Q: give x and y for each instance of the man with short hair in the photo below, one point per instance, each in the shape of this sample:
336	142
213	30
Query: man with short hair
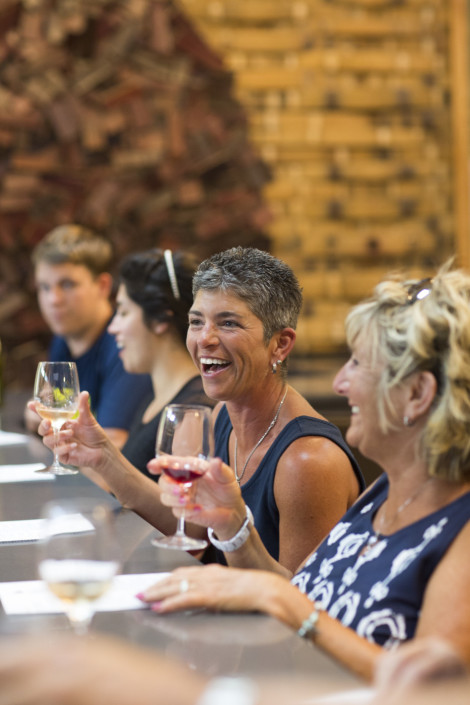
73	281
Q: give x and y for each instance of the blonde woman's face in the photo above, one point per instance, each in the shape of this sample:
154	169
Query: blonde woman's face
358	381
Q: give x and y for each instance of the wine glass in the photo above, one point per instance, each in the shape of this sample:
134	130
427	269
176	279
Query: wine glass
56	391
78	555
185	430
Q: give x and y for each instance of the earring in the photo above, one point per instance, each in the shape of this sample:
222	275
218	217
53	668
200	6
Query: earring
275	364
407	421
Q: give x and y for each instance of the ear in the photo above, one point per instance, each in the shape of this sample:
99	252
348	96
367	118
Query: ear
105	284
421	394
159	327
283	342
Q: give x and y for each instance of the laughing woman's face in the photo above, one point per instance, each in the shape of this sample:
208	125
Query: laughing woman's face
226	341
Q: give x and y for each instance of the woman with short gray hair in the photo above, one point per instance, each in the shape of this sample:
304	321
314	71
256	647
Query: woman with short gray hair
295	472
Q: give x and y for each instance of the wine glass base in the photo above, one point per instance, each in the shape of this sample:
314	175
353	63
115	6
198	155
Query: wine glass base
60	470
180	543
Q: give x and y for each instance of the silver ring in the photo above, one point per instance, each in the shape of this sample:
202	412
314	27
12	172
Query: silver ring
184	586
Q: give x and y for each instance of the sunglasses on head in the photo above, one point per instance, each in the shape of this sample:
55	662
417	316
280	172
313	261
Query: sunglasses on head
419	291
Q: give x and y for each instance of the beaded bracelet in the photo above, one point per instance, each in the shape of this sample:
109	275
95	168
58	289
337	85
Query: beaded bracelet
309	625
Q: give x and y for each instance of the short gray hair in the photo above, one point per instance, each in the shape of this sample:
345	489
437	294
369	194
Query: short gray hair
266	284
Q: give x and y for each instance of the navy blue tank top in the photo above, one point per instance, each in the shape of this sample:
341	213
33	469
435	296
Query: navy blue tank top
378	592
258	492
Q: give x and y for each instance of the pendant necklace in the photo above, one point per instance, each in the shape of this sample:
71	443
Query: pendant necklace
271	425
379	535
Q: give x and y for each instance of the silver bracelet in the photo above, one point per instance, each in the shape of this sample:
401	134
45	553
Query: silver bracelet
240	537
229	691
308	627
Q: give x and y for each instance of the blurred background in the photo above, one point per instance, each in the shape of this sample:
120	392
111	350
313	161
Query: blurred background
333	133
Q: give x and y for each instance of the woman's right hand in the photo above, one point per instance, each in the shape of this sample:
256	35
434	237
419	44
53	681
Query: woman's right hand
82	441
215	499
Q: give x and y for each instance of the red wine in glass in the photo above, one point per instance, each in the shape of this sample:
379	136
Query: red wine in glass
185	432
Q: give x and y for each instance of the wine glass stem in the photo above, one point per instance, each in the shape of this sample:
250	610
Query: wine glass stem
80	617
180	527
56	463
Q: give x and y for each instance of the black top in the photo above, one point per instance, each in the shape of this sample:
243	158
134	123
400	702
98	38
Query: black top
258	491
140	445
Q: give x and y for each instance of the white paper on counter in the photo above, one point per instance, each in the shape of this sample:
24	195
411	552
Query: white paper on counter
24	473
34	597
355	696
7	438
31	529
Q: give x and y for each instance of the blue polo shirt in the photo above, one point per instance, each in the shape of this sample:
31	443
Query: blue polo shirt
114	393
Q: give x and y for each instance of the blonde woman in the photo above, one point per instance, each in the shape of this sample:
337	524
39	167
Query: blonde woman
396	566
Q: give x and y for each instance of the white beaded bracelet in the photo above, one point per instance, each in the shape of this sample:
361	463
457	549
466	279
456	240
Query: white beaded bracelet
229	691
309	625
237	540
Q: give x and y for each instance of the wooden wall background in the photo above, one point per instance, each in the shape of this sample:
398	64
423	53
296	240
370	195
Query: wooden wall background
360	107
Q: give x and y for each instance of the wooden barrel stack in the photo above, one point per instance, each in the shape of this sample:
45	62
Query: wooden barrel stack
116	115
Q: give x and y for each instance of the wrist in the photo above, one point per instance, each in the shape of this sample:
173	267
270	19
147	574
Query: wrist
309	627
236	540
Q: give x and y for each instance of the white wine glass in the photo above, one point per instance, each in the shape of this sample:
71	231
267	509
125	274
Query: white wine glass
186	431
56	391
78	555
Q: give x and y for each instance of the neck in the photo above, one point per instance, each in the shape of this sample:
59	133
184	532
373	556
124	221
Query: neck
251	416
173	368
80	344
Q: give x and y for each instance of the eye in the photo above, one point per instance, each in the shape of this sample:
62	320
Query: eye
230	324
68	284
194	322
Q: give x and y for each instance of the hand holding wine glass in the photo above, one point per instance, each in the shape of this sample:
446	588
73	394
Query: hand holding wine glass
185	442
56	391
78	555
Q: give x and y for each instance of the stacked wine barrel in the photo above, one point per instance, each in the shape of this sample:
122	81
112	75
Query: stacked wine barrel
118	116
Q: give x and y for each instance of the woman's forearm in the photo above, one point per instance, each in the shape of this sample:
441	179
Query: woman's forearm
131	488
253	554
341	643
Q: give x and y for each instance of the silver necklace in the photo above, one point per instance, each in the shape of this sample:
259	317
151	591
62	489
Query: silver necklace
379	535
271	425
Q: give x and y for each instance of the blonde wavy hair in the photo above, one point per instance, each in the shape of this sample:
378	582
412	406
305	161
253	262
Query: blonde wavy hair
432	333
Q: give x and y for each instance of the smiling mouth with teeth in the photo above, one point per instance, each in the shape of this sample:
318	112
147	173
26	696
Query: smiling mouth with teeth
212	364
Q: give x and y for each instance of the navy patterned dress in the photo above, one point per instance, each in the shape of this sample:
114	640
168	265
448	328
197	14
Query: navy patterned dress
377	587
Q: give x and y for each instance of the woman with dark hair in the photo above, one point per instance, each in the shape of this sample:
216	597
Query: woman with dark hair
150	324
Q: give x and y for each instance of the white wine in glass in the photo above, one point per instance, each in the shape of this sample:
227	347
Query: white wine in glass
78	556
186	431
56	391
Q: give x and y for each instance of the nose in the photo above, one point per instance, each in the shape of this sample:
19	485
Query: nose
208	335
54	294
341	381
112	326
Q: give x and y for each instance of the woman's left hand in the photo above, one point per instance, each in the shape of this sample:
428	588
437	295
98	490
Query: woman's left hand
216	588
